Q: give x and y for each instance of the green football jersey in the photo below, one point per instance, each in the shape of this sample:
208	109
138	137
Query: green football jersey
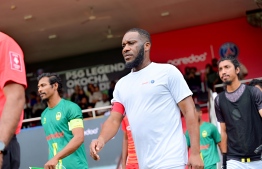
209	137
55	122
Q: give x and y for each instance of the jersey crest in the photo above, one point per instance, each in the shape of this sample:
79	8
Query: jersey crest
204	133
58	116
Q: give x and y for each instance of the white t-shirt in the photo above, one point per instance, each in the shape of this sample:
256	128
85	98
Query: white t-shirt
150	98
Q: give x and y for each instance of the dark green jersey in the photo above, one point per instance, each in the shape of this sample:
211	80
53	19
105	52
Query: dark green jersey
58	134
209	137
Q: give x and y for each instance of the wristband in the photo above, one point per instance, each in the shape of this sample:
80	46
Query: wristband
224	163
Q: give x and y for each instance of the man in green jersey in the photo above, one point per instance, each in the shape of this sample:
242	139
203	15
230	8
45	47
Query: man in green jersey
63	125
209	139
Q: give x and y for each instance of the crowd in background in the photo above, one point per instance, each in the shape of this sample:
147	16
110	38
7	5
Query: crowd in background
93	97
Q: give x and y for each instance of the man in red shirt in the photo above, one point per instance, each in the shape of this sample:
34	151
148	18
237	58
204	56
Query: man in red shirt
12	100
129	159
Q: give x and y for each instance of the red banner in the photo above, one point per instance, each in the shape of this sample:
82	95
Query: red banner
196	46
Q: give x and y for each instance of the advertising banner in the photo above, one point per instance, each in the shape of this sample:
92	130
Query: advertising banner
197	46
34	149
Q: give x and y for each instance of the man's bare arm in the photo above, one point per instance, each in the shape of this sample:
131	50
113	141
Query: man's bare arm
223	144
73	144
187	107
109	130
14	105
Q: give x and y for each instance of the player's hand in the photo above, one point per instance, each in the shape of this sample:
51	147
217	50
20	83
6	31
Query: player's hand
95	147
1	160
195	162
51	164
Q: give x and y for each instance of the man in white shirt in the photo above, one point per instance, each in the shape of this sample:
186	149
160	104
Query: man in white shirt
151	96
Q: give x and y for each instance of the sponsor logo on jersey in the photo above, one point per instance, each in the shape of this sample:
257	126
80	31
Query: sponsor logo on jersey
44	120
151	81
15	61
58	116
204	133
55	135
228	49
203	147
128	128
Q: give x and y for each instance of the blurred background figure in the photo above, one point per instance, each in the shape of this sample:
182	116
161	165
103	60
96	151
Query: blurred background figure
257	83
102	103
209	139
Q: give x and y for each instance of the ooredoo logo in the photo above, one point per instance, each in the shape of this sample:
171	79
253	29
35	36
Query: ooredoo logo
91	131
188	60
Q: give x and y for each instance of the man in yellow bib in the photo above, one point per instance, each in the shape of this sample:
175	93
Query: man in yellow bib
62	121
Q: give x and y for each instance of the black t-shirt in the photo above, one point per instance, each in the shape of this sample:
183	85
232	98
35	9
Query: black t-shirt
242	119
233	96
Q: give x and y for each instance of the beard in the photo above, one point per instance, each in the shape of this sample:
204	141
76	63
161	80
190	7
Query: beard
44	100
227	83
138	60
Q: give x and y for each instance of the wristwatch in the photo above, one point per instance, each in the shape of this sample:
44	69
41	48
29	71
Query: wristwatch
2	147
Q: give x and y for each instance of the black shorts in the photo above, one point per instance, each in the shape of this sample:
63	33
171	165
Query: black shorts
11	159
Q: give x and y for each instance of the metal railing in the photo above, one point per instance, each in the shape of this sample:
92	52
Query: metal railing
93	110
242	81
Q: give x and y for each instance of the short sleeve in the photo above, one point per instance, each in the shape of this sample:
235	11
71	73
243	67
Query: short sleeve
220	117
187	139
177	85
116	95
215	134
75	112
12	62
116	102
257	95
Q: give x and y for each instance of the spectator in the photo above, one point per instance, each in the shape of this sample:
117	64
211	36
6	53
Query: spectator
211	77
90	93
33	100
38	108
97	95
84	104
111	90
81	95
194	80
102	103
257	83
74	97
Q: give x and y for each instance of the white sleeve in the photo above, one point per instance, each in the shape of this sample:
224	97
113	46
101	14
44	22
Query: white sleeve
177	85
116	93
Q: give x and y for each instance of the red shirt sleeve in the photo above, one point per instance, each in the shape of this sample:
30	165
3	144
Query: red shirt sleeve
12	62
